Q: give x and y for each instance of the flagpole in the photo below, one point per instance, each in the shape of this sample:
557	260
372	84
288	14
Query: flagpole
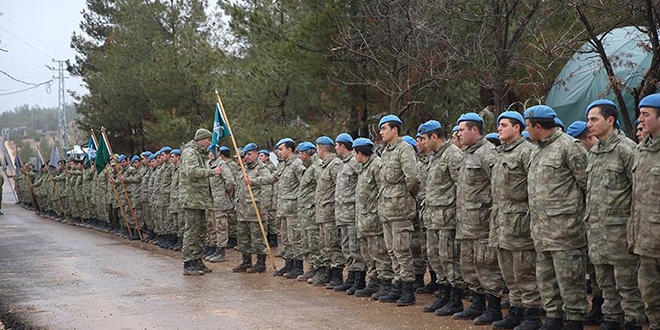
55	190
128	198
249	187
6	152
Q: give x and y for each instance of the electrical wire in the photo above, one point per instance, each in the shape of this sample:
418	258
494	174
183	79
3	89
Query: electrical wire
28	32
18	80
29	88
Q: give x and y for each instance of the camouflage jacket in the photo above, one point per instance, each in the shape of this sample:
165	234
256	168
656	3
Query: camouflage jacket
154	185
399	182
175	205
194	184
144	184
165	185
324	199
473	191
644	231
244	207
423	161
287	178
509	226
222	186
609	198
273	169
440	203
366	199
347	177
556	183
133	180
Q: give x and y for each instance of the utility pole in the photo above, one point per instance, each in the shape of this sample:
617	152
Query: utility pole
61	127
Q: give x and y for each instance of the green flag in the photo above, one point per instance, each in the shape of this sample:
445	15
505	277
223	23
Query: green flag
220	129
102	156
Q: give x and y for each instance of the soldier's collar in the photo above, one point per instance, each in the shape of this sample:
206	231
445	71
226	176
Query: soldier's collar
512	145
550	138
476	145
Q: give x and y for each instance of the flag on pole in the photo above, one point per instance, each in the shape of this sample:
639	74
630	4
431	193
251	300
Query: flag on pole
102	156
38	163
6	160
220	129
91	152
54	159
18	165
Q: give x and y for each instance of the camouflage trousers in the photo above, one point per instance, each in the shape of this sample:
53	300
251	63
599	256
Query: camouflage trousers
443	253
283	231
519	272
179	224
149	216
311	243
193	234
377	260
649	285
398	239
139	214
270	222
418	249
217	232
250	238
350	248
165	220
293	248
560	276
623	299
479	266
591	271
232	223
330	239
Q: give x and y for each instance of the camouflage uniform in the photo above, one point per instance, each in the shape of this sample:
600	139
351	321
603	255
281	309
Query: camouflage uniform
131	181
164	190
439	214
195	197
238	176
347	177
369	226
509	229
307	212
222	188
250	238
154	209
325	212
145	196
556	183
479	266
399	178
418	247
272	209
175	204
644	229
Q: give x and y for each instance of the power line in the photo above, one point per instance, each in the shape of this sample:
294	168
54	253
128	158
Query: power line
29	88
24	42
28	32
18	80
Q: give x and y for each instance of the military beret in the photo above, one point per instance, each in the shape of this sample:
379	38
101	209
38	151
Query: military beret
224	148
146	153
249	147
418	136
492	136
304	146
513	115
362	142
559	123
598	103
470	116
121	158
525	134
650	101
540	112
408	139
166	149
454	129
265	152
202	134
211	147
176	152
429	126
135	159
158	153
576	128
324	140
345	138
152	157
285	140
389	119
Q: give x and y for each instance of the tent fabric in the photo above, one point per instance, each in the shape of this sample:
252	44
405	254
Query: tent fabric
584	79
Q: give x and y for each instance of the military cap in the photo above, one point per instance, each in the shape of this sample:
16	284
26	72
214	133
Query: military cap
249	147
202	134
429	126
345	138
418	136
540	112
146	153
470	116
121	158
135	158
152	157
282	141
362	142
598	103
158	153
650	101
576	128
304	146
223	148
492	136
176	152
324	140
389	119
166	149
454	129
408	139
513	115
559	123
211	147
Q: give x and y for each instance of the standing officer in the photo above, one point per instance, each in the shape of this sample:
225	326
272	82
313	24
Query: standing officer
264	157
222	189
307	212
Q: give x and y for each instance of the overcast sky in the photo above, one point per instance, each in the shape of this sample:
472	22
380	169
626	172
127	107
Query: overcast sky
32	34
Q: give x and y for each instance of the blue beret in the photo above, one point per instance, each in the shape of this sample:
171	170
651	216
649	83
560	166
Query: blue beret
559	123
597	103
470	116
158	153
492	136
651	101
285	140
265	152
304	146
135	158
344	137
211	147
362	142
152	157
176	152
121	158
513	115
146	154
525	134
410	141
454	129
166	149
324	140
540	112
576	128
429	126
223	148
636	122
418	136
388	119
249	147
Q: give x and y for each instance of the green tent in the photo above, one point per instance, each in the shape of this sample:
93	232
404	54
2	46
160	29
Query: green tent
584	79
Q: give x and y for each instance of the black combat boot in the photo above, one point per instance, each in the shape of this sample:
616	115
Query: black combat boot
553	324
260	266
296	270
189	269
358	284
179	243
307	275
371	288
322	276
476	308
288	265
610	325
210	251
445	293
395	293
384	290
431	287
573	325
219	256
243	266
231	242
272	240
595	316
336	278
454	305
531	320
200	264
632	326
512	319
346	284
407	294
419	281
135	235
493	311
